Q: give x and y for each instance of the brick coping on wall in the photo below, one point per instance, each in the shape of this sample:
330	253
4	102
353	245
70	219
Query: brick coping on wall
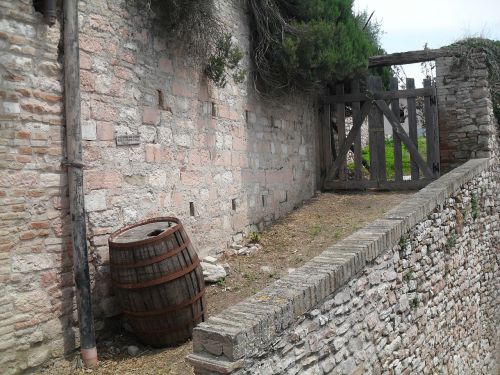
221	344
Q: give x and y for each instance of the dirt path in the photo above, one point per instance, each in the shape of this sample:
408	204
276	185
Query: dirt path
289	243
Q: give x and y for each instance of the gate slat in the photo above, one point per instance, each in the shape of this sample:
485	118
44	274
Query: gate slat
377	138
340	121
350	138
398	155
432	137
404	137
326	138
412	124
356	112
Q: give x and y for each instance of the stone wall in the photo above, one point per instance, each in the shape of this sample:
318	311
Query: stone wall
415	292
467	124
35	253
241	162
222	160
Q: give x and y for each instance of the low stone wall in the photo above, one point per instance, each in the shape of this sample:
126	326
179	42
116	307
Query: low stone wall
412	293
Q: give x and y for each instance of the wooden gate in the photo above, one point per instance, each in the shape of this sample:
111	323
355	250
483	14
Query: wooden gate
372	102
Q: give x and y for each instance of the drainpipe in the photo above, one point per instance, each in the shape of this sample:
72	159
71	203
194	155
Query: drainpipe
75	182
49	12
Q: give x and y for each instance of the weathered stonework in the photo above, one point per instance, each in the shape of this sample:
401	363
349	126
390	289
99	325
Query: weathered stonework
413	293
222	160
242	162
467	125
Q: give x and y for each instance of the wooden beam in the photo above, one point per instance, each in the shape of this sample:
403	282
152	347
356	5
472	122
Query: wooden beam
398	154
410	57
431	129
356	113
340	119
412	127
356	126
404	137
385	95
378	185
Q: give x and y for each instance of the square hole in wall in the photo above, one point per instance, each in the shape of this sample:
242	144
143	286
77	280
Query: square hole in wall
263	201
233	204
191	208
161	99
214	109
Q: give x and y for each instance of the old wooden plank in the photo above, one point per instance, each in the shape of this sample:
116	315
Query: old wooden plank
356	113
410	57
340	121
380	185
377	136
385	95
327	139
404	137
432	137
398	154
412	127
358	122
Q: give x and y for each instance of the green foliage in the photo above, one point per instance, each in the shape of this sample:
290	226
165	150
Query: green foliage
403	241
474	208
195	28
254	237
414	303
408	276
303	43
451	241
389	156
225	59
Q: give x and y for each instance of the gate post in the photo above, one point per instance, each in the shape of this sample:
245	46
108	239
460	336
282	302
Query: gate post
467	125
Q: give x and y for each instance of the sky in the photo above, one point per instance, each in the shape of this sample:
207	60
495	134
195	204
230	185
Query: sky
408	25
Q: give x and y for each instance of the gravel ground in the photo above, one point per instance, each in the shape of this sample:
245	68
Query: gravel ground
289	243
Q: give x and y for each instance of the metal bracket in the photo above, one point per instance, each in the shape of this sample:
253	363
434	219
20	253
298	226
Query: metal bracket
74	163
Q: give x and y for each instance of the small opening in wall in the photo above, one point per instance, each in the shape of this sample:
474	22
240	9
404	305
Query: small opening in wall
161	100
191	208
246	115
263	201
214	109
233	204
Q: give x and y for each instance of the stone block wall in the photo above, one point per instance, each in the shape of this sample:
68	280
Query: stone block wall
415	292
36	275
467	125
222	160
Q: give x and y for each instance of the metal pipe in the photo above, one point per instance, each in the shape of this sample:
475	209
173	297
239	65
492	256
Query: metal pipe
49	12
75	182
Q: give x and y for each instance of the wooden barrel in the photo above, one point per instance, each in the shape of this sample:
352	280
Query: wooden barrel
158	280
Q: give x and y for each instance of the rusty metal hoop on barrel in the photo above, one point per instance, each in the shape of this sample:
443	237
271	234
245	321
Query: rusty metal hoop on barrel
158	280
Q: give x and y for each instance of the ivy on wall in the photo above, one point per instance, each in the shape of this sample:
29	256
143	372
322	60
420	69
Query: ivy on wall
196	27
296	44
469	49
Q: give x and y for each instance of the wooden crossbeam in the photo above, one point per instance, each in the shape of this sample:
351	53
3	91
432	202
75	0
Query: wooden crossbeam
384	95
410	57
398	129
346	145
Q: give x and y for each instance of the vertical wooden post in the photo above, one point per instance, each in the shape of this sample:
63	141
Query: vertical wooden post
377	138
75	182
398	155
432	136
340	120
412	124
326	141
356	112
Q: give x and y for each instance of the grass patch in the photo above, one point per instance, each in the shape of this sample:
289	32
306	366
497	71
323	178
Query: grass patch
389	156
